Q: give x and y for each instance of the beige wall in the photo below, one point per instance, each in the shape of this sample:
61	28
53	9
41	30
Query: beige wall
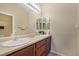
63	20
77	29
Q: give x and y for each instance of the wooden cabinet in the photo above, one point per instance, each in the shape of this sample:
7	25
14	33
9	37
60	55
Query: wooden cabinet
40	48
40	43
28	51
40	51
43	47
48	44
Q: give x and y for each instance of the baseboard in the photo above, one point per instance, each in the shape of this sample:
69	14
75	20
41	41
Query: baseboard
60	54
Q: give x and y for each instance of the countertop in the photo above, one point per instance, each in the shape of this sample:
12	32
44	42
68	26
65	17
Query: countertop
7	50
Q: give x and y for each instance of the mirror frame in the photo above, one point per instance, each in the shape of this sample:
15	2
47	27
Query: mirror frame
13	23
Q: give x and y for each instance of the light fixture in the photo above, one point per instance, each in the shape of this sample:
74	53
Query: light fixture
33	7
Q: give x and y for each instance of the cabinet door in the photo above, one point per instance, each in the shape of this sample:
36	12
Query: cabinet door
40	51
43	47
40	43
28	51
48	47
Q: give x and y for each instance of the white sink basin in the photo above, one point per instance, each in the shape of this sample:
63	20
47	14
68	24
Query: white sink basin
16	42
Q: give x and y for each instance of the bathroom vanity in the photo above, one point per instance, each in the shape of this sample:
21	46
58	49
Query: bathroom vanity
40	48
39	45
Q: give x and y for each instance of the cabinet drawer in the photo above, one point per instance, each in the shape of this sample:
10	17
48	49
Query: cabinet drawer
40	43
45	53
28	51
41	50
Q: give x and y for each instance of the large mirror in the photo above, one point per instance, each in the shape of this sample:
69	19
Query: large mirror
5	25
17	19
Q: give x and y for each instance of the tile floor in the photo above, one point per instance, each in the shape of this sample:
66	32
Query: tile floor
53	54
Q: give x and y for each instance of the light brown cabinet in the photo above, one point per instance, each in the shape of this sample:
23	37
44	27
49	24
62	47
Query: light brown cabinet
28	51
43	47
40	48
48	44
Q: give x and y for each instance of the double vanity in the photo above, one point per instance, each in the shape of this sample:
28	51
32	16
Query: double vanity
39	45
